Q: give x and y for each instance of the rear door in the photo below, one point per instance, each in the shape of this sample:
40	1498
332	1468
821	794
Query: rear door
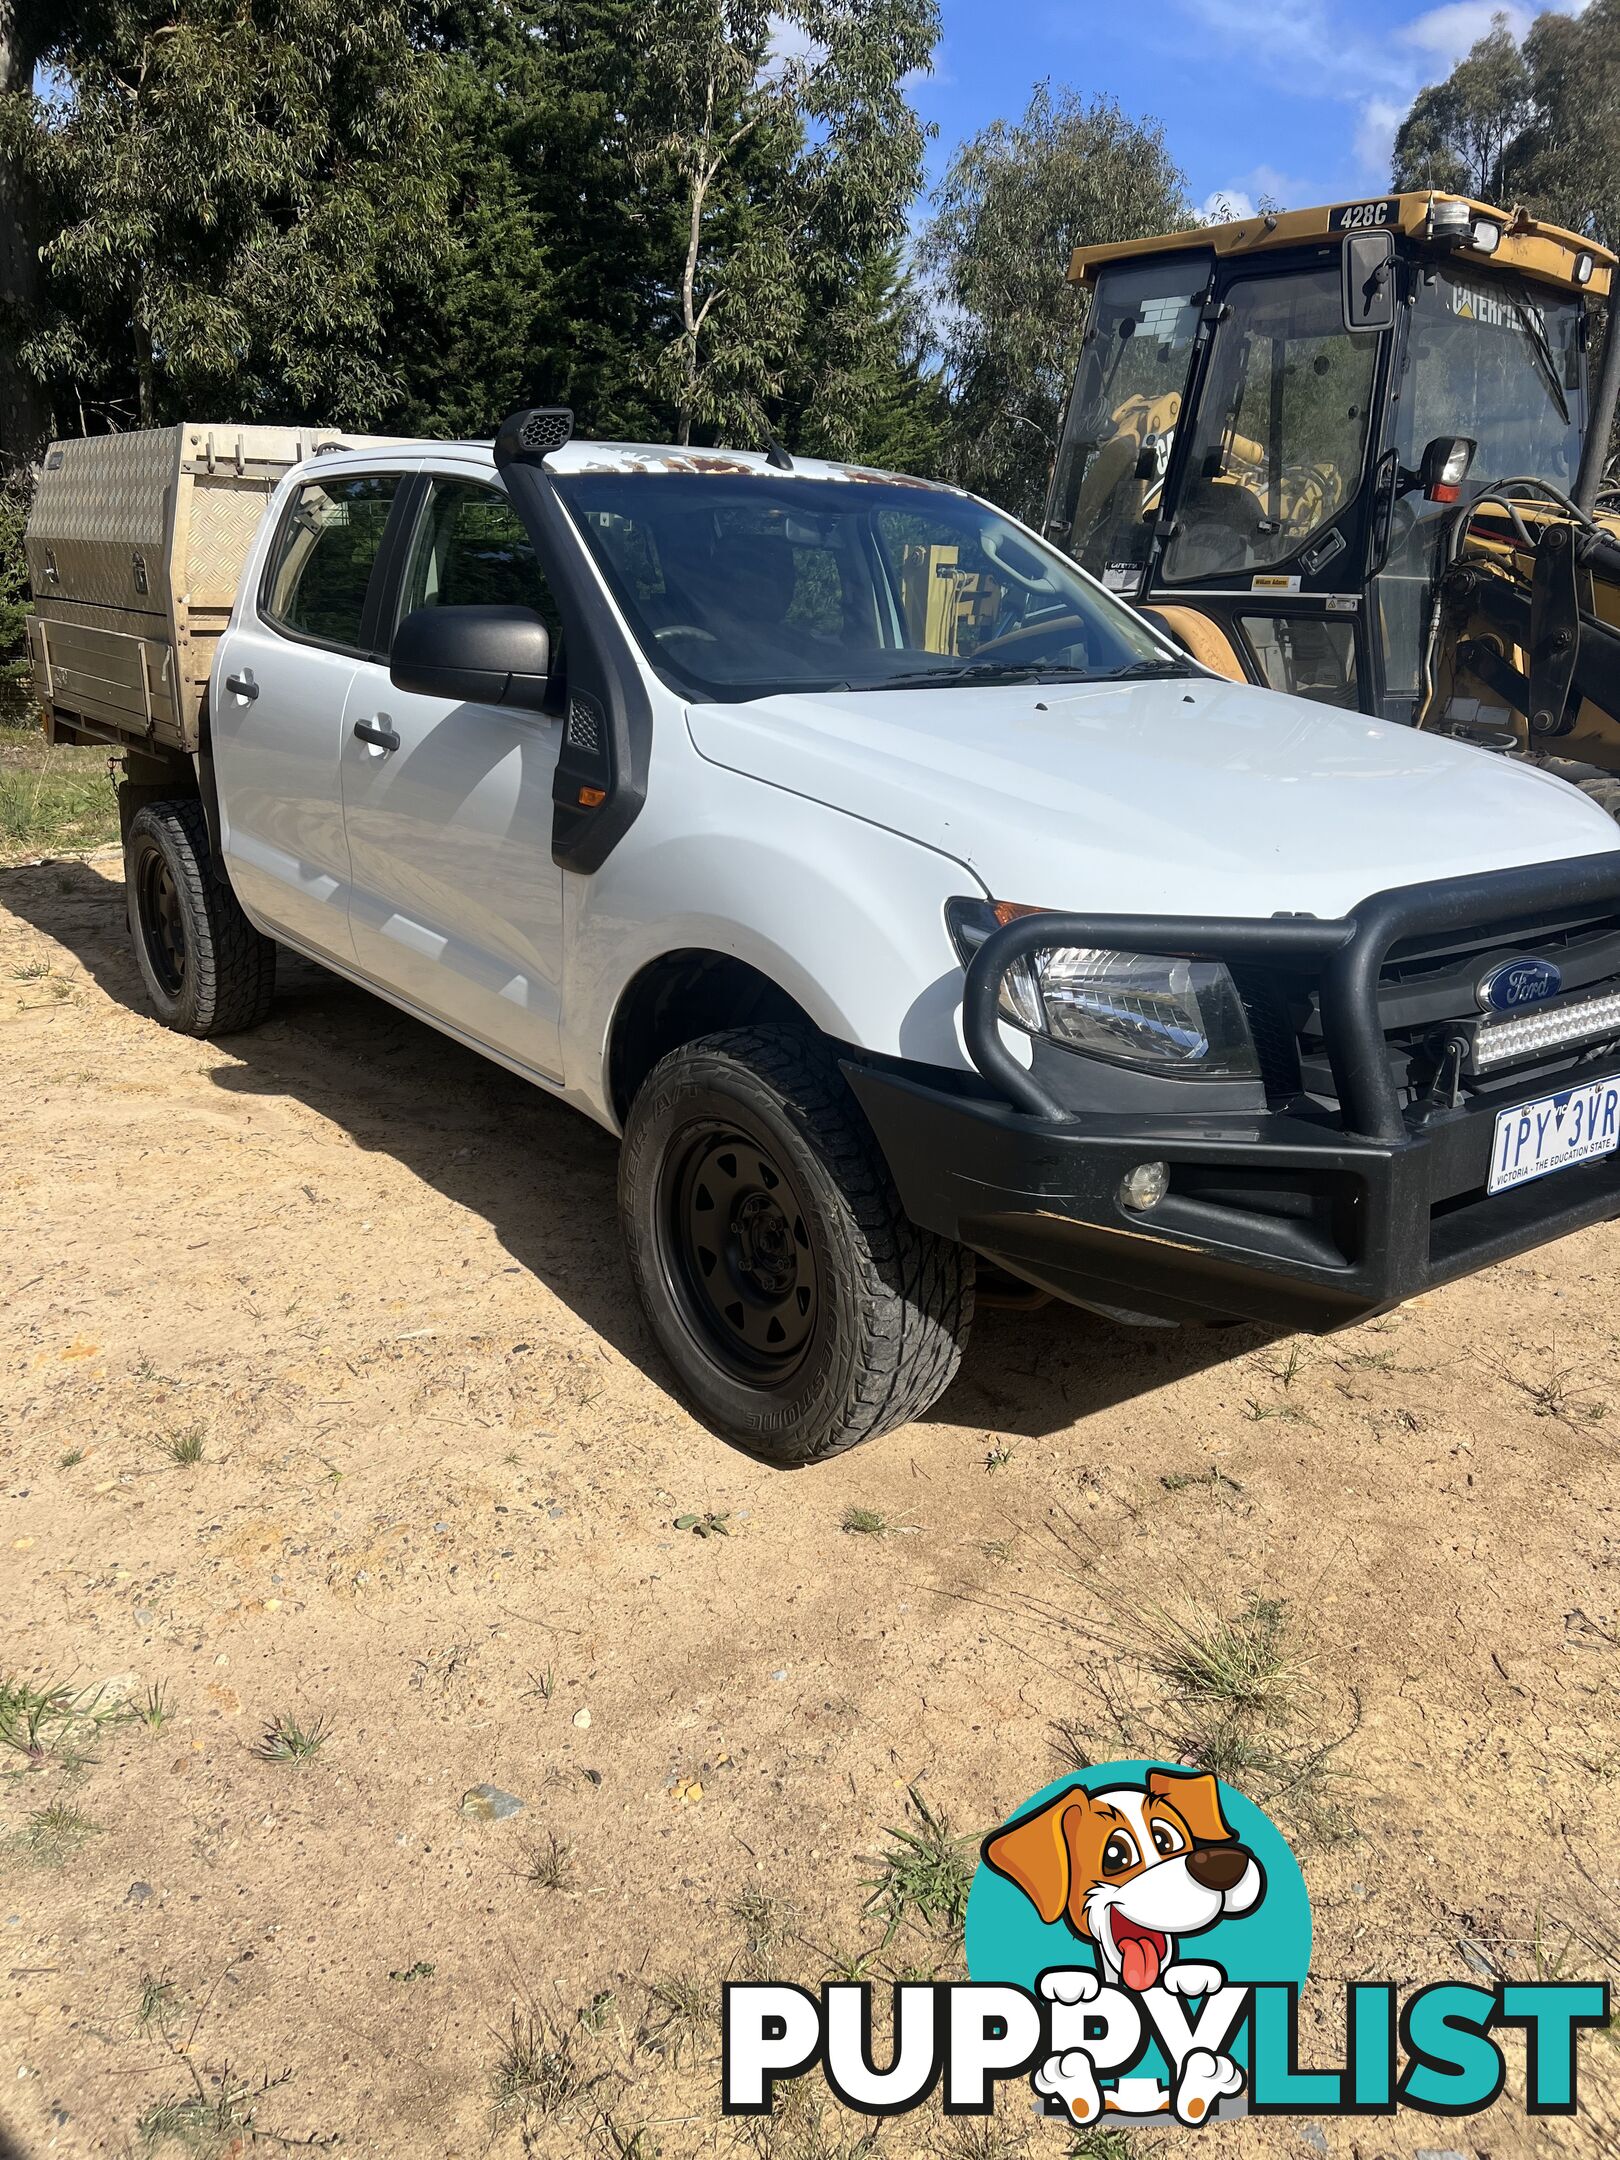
283	678
456	903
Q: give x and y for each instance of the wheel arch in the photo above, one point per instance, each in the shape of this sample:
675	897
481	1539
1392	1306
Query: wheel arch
678	996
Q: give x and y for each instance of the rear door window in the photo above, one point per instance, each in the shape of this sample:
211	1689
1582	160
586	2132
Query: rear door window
319	576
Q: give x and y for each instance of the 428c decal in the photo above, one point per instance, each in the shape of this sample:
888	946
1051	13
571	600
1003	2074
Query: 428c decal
1367	216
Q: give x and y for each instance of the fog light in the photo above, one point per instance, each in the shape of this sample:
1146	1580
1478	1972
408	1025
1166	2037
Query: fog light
1145	1186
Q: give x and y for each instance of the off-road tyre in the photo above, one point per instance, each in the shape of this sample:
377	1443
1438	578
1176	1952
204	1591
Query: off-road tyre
206	969
807	1205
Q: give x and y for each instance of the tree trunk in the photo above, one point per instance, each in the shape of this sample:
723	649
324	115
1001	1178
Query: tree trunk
25	412
689	321
145	365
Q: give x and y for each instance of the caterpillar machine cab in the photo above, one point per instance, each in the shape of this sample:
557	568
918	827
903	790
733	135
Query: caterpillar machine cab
1357	453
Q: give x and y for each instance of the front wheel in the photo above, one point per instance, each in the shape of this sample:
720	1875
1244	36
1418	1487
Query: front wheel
799	1307
205	967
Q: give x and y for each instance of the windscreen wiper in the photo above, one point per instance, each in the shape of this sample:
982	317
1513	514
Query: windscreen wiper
1535	331
985	671
1152	670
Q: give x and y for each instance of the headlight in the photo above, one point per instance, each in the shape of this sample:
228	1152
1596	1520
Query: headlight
1153	1010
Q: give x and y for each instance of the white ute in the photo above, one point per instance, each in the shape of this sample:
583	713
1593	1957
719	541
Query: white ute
900	896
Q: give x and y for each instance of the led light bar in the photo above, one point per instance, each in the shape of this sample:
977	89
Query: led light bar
1497	1042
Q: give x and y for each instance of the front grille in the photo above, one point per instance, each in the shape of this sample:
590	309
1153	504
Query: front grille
1441	1038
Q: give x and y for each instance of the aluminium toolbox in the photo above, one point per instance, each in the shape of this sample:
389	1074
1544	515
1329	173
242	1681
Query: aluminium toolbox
135	544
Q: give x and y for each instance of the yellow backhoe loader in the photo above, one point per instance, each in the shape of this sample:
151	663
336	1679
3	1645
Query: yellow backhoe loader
1357	453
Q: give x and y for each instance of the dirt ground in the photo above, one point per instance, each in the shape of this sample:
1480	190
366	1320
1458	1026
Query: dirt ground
374	1285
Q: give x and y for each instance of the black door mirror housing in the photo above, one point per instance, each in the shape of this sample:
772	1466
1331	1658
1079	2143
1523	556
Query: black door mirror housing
476	655
1367	267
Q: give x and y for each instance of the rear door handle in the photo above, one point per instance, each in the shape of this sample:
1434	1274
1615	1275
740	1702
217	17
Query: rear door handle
383	737
242	685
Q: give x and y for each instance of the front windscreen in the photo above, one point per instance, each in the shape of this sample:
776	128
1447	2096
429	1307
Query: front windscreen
1498	359
1123	415
748	584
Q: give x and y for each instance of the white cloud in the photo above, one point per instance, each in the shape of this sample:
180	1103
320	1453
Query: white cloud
1303	42
1446	33
1375	138
1246	192
791	43
1322	49
1224	205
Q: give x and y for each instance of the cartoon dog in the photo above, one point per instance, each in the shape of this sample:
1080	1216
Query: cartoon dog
1131	1870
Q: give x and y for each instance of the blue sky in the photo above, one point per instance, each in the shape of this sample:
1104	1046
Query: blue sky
1293	99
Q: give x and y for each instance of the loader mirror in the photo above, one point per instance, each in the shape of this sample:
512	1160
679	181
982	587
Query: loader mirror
1367	267
476	655
1445	467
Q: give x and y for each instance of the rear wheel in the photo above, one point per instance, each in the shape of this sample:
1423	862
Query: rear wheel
206	969
800	1309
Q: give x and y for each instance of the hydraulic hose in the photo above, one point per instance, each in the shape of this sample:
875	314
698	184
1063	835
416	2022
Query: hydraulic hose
1595	450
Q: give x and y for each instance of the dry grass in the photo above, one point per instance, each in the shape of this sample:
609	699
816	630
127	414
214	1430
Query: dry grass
52	798
538	2071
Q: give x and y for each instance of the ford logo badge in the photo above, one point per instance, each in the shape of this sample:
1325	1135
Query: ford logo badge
1518	982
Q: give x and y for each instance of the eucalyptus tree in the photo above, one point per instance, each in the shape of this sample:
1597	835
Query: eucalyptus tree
1015	202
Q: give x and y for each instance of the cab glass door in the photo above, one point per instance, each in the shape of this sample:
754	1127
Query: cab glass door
1279	440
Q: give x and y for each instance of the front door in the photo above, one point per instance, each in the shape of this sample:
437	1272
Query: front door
1269	482
276	725
456	903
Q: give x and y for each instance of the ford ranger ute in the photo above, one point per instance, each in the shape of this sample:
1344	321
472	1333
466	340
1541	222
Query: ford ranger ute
901	897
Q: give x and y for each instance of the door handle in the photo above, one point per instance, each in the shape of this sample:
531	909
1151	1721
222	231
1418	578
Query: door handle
383	737
243	685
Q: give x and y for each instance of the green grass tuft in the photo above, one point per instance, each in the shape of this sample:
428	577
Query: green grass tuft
924	1874
287	1741
54	1835
182	1448
40	1723
865	1522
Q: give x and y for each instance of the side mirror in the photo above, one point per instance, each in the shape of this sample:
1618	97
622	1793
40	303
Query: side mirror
1445	467
477	655
1367	268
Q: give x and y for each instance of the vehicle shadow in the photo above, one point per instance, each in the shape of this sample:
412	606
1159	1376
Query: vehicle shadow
543	1177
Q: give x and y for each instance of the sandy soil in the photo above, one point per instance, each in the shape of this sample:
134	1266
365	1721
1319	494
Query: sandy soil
435	1506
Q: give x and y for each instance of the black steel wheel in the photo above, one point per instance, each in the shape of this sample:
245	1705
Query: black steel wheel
735	1250
206	969
798	1307
159	919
